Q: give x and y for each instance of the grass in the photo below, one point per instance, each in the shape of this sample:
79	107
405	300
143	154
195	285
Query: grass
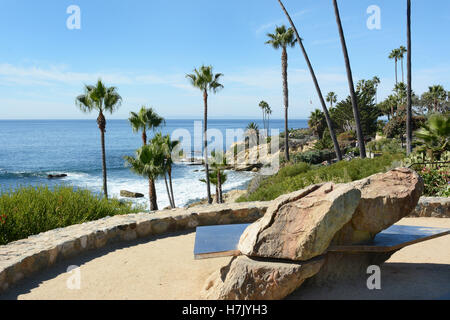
31	210
298	176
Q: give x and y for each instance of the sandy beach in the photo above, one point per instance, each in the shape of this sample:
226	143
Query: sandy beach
164	268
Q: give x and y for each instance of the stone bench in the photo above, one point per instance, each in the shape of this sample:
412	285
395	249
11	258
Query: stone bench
222	241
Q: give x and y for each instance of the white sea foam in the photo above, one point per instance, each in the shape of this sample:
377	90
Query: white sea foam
186	187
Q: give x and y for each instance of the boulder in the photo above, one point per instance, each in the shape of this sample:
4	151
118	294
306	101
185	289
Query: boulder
129	194
300	226
57	176
386	198
246	278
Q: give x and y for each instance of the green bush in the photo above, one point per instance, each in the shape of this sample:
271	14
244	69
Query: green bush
31	210
385	145
314	156
437	182
343	171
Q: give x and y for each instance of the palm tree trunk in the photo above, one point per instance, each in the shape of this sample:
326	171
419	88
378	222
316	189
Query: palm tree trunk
152	195
171	187
101	121
205	144
168	192
217	195
144	137
316	83
284	66
359	133
409	73
403	74
396	81
219	187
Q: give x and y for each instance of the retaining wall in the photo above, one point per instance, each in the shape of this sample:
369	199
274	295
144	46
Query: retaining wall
23	258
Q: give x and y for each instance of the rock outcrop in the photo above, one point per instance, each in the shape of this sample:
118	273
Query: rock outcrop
432	207
129	194
386	198
301	229
289	244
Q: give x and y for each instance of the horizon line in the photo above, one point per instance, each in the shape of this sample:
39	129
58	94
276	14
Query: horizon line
199	119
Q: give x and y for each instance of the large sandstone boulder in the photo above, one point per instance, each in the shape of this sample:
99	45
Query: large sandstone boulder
300	226
245	278
386	198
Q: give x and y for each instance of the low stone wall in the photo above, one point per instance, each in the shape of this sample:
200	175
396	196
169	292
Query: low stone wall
23	258
432	208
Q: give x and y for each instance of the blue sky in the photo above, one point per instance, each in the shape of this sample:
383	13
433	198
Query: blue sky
145	48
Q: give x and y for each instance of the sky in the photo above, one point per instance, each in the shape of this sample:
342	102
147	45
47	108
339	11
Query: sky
146	47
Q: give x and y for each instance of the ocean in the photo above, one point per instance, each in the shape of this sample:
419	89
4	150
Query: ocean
32	149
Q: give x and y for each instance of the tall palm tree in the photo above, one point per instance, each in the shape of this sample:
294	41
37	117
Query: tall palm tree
169	147
102	99
283	38
331	98
395	55
205	80
264	106
401	55
316	84
148	162
268	114
144	120
359	133
435	98
376	82
409	76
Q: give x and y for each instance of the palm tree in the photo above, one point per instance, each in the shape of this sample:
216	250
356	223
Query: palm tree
102	99
205	80
169	147
268	114
401	55
144	120
395	54
331	98
435	98
316	84
283	38
359	133
148	162
217	178
409	76
252	131
316	123
435	135
264	107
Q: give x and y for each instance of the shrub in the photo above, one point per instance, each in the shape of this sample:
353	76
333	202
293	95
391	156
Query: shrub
346	138
31	210
436	176
343	171
314	156
385	146
436	180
